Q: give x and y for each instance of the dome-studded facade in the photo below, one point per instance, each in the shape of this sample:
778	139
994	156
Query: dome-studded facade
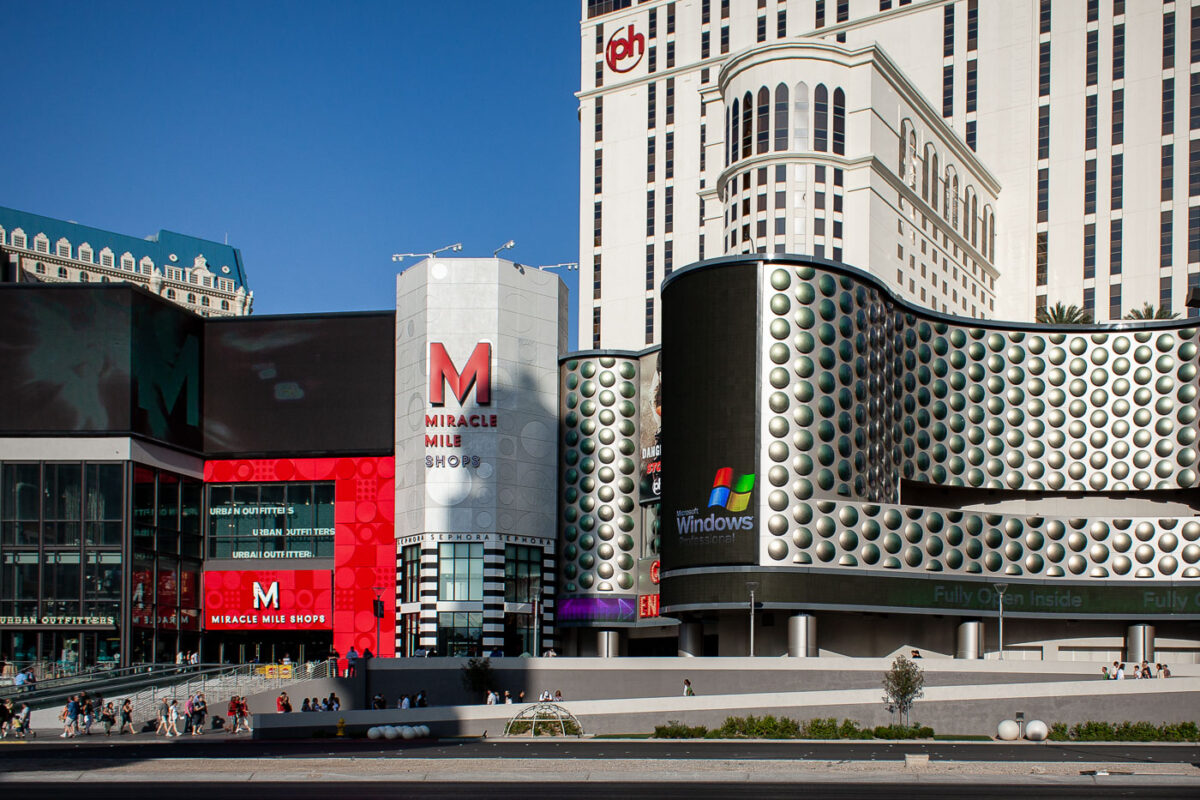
842	450
600	522
865	392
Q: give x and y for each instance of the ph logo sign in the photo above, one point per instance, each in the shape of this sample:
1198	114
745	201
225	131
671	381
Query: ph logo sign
624	50
477	375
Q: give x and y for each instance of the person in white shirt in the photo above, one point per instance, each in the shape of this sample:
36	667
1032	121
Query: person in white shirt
1121	672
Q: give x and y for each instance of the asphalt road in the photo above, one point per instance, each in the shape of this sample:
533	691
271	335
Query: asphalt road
625	791
143	747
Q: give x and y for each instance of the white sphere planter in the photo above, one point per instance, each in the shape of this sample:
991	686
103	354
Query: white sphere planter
1036	730
391	732
374	733
1008	730
406	732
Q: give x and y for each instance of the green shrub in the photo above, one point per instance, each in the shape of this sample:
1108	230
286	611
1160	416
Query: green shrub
903	732
820	729
674	729
849	730
752	727
1093	731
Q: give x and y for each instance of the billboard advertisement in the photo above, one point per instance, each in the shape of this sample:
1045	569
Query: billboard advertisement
312	384
650	427
267	600
708	514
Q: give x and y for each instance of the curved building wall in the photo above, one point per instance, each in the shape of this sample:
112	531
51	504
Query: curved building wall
862	401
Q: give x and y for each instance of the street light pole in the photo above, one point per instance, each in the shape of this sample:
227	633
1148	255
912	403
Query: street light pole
752	586
1001	588
377	608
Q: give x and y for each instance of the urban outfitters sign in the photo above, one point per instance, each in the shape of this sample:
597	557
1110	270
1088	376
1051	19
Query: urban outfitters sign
59	620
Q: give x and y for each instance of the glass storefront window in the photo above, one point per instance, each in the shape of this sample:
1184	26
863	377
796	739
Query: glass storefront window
522	573
410	587
105	492
460	633
191	493
460	571
518	635
282	520
62	498
21	497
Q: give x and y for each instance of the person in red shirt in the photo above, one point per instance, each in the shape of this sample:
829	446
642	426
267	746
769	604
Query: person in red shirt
283	704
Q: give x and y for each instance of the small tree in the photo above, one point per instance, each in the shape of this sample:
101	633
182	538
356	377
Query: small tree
1148	311
478	676
1059	314
903	684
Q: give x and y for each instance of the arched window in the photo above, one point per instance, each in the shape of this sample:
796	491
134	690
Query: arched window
733	142
204	300
974	215
927	163
83	277
224	305
821	118
933	180
950	209
800	118
62	272
912	159
781	116
727	134
39	268
763	139
839	122
170	294
991	235
747	125
191	298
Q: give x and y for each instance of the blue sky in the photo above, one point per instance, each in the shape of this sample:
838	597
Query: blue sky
320	137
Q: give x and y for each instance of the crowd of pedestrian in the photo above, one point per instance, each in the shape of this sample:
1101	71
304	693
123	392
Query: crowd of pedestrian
493	697
14	720
1141	671
83	711
331	703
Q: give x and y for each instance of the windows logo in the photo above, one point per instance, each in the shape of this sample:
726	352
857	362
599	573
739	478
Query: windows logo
729	495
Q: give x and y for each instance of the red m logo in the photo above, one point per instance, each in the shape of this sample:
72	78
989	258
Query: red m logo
477	373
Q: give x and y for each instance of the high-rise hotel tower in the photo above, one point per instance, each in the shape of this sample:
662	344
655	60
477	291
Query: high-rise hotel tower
983	158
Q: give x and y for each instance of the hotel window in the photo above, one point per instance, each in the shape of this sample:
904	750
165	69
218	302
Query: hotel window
597	218
1043	131
1164	238
596	326
843	14
651	105
724	9
1194	168
1118	180
127	262
703	152
1164	293
62	272
747	125
819	14
670	18
85	252
1167	190
596	275
724	39
669	210
781	22
670	165
821	118
597	163
972	25
649	320
1114	247
1114	301
761	35
948	30
599	119
1089	300
1089	122
668	257
763	138
650	212
1041	258
1043	195
1168	59
948	89
1118	116
63	249
1089	189
670	120
1093	57
1194	100
704	44
1193	234
731	134
705	11
41	244
652	58
1044	69
650	153
1118	59
1044	17
972	84
839	122
650	267
781	116
1195	34
18	239
1168	106
1089	250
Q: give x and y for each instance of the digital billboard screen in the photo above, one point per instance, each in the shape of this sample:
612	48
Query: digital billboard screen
65	358
709	376
311	384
